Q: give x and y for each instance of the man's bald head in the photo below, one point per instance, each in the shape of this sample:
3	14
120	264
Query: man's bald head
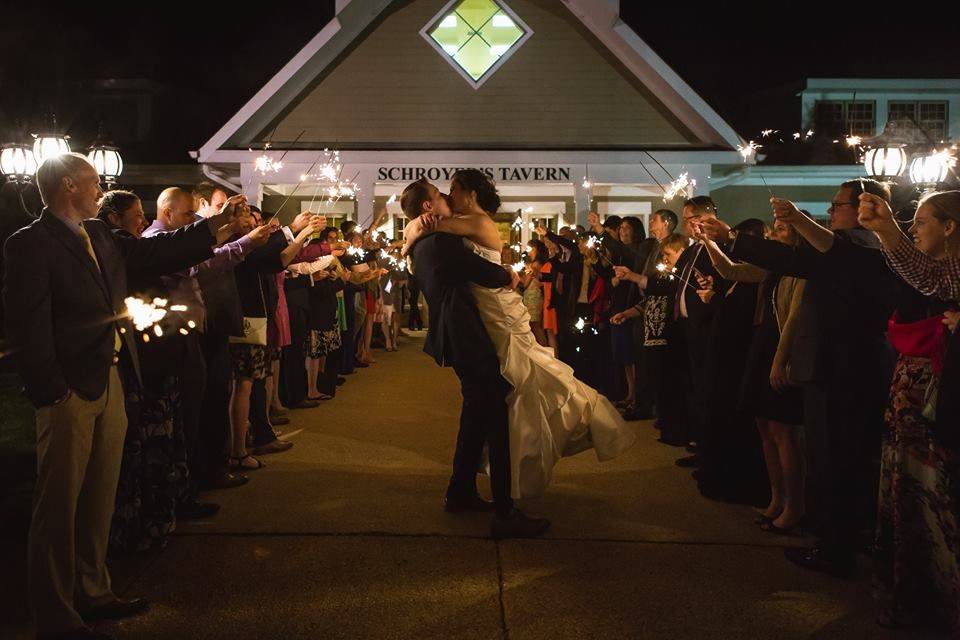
175	207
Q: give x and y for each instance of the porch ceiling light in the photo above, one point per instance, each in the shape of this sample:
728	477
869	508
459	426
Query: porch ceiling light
476	36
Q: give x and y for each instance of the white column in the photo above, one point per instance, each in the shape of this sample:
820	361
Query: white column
366	179
581	196
250	181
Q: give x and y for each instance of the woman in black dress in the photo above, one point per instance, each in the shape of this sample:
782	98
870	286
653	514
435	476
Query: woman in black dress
767	393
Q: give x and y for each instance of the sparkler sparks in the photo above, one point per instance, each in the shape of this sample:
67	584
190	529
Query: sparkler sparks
681	184
854	141
519	266
749	150
580	324
147	315
518	223
265	164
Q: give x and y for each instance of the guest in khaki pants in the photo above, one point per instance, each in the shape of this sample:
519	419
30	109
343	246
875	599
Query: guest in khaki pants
64	287
79	447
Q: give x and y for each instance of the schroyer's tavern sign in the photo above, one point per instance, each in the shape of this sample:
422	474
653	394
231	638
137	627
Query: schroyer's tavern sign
500	174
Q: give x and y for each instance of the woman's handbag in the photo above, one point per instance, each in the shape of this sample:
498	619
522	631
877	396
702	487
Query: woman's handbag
254	329
254	332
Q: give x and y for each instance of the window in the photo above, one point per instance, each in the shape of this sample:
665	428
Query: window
844	118
476	37
929	115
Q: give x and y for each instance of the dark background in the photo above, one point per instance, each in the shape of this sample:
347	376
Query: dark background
197	64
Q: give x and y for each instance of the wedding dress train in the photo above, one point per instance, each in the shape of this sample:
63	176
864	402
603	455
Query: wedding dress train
552	414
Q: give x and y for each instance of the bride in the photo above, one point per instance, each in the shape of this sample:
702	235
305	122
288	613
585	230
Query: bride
551	413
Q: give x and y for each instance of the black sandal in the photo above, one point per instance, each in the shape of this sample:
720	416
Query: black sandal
236	464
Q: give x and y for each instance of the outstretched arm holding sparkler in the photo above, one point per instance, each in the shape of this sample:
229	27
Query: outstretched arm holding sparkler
820	238
939	278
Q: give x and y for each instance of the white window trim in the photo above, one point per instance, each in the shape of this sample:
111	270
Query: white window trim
476	84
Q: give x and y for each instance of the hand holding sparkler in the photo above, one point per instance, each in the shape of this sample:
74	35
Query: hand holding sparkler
625	273
514	278
874	213
301	221
715	229
786	211
259	236
593	219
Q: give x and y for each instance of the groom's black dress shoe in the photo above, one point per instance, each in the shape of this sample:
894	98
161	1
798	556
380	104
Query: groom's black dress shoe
518	525
472	504
116	610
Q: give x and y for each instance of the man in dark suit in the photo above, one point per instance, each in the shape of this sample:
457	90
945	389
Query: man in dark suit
694	317
64	290
842	359
445	268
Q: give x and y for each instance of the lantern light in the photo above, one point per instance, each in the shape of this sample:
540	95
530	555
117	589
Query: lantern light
885	162
17	162
107	161
49	145
930	169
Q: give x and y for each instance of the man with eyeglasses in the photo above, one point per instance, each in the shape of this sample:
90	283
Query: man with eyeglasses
843	361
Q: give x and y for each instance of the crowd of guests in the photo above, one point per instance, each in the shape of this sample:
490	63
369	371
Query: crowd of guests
811	370
135	423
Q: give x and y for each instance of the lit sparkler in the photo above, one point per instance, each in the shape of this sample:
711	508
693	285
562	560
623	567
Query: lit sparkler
519	266
147	315
518	223
265	164
681	184
749	150
580	325
854	141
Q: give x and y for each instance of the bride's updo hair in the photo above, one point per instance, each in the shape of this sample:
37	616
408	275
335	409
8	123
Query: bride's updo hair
478	182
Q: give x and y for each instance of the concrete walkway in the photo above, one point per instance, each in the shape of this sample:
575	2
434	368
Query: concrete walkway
343	537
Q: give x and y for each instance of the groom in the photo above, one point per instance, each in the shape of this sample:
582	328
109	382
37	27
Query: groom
456	337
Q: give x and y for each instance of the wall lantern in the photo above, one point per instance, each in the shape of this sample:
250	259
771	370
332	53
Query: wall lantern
885	162
17	162
931	169
49	145
107	161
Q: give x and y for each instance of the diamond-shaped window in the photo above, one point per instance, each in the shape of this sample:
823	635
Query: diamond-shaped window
476	36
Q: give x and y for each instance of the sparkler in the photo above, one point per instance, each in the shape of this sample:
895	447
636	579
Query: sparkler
682	184
146	315
519	266
854	141
749	150
518	223
580	324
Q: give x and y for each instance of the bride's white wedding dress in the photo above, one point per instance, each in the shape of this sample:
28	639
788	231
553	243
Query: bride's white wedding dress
552	414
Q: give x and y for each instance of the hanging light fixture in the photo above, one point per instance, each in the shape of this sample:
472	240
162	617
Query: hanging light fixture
17	162
49	145
885	162
931	169
107	161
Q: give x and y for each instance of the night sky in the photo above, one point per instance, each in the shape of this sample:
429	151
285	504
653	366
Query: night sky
205	64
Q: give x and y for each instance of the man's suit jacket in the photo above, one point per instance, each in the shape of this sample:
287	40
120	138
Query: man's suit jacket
63	312
699	313
444	269
842	322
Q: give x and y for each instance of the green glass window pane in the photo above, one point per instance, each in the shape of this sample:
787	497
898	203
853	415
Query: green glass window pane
451	33
501	32
476	12
476	57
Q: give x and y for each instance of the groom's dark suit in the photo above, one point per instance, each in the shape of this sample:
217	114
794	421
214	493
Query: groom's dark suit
444	267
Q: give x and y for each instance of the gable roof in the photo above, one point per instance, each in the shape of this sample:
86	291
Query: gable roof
354	17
